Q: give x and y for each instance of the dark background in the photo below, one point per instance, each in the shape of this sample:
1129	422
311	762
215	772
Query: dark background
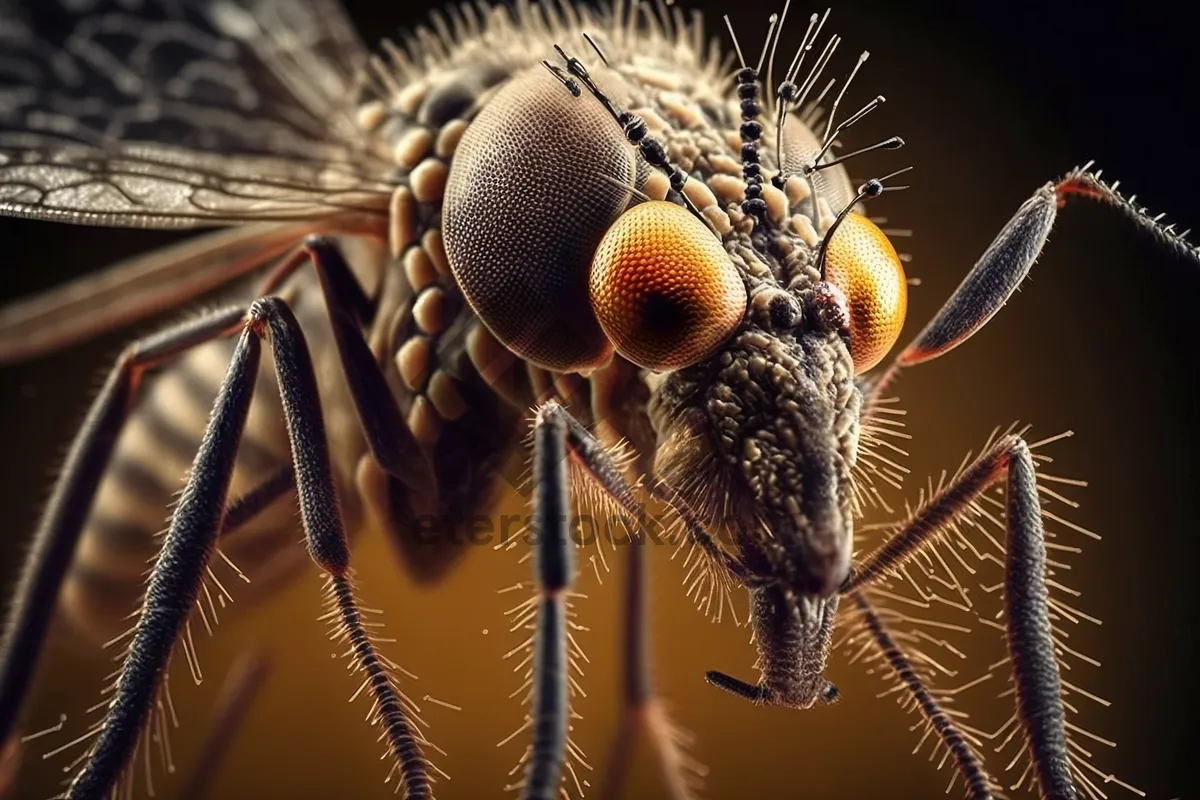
993	100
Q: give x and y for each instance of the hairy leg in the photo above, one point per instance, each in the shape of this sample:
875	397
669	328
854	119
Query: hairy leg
57	535
641	711
1027	619
1007	261
179	571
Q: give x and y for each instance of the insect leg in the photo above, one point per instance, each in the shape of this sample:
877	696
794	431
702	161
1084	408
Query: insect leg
554	570
696	532
131	290
640	709
325	534
979	783
388	436
58	532
176	577
1030	640
243	509
1006	262
990	282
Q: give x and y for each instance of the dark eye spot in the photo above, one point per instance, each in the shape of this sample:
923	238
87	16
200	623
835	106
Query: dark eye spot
664	314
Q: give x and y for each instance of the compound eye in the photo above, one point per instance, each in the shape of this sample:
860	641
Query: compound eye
864	265
529	196
663	287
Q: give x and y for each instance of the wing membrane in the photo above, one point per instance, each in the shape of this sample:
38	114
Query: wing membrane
178	114
157	186
185	113
310	48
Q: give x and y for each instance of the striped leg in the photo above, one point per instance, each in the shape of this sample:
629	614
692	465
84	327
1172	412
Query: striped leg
1030	641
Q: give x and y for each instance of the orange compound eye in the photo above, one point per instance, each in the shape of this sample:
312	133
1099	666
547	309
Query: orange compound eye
863	264
663	287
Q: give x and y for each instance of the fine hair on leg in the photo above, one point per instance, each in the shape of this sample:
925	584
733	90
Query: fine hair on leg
197	521
32	606
1030	643
554	571
560	442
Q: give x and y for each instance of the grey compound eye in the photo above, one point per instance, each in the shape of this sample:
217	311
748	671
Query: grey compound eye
534	186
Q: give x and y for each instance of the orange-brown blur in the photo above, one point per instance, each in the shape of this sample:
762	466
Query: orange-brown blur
663	287
864	265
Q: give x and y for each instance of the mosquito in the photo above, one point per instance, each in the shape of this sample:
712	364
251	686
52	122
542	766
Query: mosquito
647	241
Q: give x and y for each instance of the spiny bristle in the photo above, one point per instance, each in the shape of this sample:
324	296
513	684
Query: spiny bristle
491	30
154	731
1088	182
599	513
154	735
899	658
915	597
523	619
880	427
696	532
393	711
706	581
548	612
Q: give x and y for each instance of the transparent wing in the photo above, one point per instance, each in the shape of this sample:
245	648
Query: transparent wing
51	177
179	113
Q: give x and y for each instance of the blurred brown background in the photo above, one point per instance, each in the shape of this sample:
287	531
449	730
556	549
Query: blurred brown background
993	101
